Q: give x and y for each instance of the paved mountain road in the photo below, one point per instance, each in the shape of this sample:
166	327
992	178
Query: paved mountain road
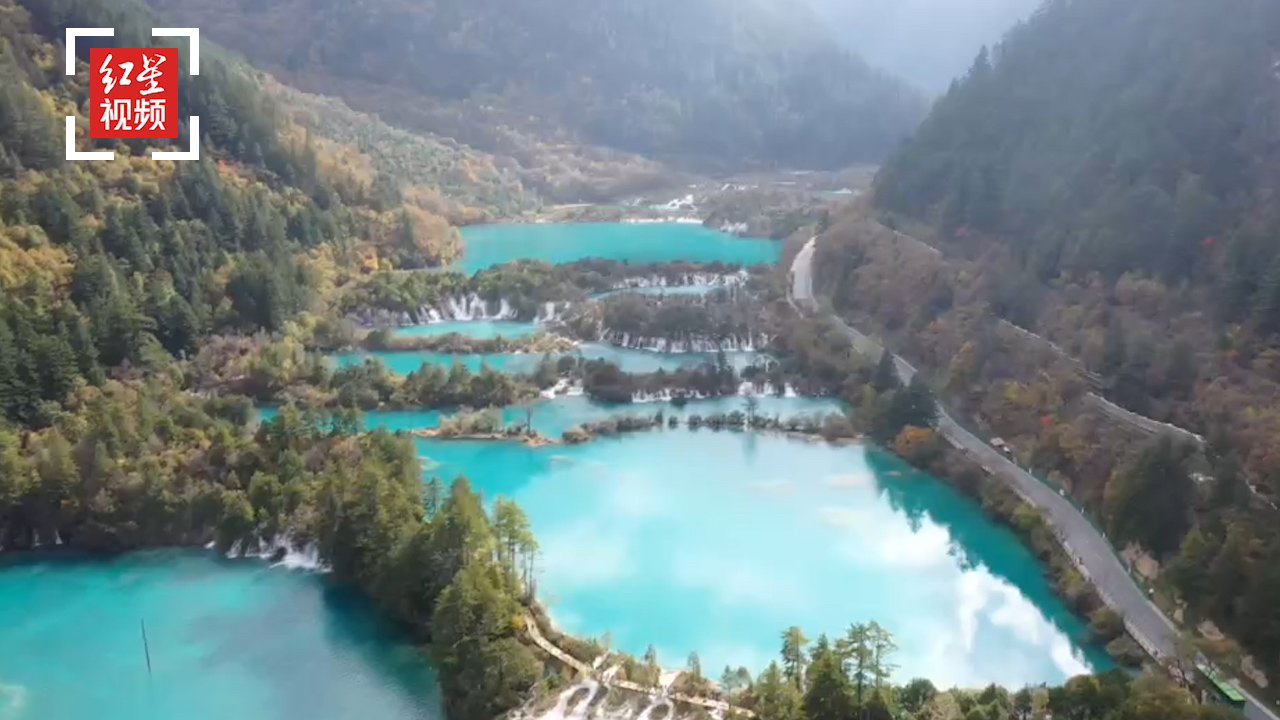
1091	551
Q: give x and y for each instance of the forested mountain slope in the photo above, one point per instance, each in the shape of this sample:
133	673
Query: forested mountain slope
730	81
132	261
1105	137
1100	195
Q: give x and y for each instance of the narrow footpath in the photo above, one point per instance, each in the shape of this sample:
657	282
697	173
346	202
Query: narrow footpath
586	670
1091	552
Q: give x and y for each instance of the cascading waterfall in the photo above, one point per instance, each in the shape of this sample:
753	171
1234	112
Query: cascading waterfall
468	308
281	552
697	278
666	395
588	689
473	307
562	711
766	389
749	343
744	389
562	388
657	703
551	311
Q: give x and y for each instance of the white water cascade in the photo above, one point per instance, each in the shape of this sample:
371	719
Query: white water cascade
748	343
697	278
467	308
282	552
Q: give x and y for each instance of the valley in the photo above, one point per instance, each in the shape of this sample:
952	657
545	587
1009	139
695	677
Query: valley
494	362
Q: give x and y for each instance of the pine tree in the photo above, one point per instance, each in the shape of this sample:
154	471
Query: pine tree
856	654
777	697
885	377
881	646
828	695
10	392
793	655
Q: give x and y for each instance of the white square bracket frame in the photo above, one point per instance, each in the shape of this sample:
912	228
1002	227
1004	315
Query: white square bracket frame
193	124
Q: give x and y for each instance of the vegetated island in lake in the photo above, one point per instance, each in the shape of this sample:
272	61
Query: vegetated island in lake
519	290
488	425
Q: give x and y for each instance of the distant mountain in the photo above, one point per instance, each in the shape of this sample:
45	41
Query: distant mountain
1107	137
926	42
727	82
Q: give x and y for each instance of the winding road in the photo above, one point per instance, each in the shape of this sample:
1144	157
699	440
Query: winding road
1092	553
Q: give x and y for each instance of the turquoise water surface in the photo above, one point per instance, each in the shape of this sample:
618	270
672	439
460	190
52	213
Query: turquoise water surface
717	541
229	640
483	329
489	245
689	540
635	361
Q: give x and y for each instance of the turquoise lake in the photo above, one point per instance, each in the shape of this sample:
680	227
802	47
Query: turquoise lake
635	361
689	540
482	329
717	541
489	245
229	640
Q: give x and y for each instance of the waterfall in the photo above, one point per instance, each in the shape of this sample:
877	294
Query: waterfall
458	310
747	343
293	558
687	279
466	308
665	395
765	389
657	703
551	311
562	388
307	558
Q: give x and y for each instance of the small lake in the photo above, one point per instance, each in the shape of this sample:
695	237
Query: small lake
488	245
717	541
633	361
481	329
229	640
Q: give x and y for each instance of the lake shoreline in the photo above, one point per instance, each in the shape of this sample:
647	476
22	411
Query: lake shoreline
538	601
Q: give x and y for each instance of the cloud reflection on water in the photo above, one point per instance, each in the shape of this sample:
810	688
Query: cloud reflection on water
706	549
